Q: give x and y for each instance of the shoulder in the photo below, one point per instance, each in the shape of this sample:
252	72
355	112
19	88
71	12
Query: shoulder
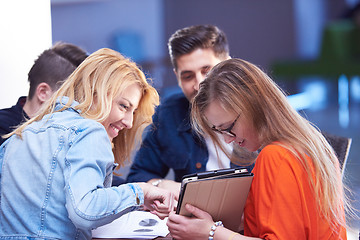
174	108
175	100
8	114
277	169
71	118
13	111
274	148
67	120
10	117
275	156
71	126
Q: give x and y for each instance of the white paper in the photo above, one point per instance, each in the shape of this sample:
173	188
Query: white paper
136	224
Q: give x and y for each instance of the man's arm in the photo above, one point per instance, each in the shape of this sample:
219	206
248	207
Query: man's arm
148	163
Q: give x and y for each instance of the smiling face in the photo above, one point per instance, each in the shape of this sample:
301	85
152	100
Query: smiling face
122	111
245	133
192	68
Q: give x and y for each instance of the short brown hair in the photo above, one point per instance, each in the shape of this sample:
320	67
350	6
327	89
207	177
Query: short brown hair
188	39
54	65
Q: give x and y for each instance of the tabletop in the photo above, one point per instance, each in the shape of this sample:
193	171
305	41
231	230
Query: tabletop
168	237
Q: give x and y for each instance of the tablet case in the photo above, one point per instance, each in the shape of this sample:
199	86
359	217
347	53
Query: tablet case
221	193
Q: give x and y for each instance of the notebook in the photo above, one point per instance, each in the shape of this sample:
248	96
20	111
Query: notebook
222	193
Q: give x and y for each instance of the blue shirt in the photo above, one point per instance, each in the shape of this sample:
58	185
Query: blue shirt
55	181
170	143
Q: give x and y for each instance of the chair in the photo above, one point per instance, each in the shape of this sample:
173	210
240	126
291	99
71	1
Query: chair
341	146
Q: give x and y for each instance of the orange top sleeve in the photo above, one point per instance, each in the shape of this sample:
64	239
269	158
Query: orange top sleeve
280	203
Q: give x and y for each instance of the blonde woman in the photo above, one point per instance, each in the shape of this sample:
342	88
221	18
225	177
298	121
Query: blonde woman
297	191
56	169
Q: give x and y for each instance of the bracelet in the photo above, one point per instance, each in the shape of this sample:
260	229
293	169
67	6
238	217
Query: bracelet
232	235
157	182
213	228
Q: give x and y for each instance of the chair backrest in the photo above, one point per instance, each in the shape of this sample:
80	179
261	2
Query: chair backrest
341	146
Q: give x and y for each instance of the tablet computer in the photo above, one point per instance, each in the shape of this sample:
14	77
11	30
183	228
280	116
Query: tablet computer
222	193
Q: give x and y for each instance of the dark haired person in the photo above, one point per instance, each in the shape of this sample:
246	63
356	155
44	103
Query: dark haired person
170	142
52	67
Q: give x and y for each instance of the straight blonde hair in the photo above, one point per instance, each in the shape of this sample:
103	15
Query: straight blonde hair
99	79
242	88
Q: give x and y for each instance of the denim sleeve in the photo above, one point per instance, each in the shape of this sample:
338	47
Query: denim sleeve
88	161
1	163
147	163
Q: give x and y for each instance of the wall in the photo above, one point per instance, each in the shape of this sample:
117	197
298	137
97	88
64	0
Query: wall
94	24
259	31
25	27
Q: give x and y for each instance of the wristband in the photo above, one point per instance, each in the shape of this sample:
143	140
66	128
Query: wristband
157	182
213	228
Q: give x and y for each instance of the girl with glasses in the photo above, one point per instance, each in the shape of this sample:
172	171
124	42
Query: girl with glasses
297	192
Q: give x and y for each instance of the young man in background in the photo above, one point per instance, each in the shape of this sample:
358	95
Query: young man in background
50	69
170	143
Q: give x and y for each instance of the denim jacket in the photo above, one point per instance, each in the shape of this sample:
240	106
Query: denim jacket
55	181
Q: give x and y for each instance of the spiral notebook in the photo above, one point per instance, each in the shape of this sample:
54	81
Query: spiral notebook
222	193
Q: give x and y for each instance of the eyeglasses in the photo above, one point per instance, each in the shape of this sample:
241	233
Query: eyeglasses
227	131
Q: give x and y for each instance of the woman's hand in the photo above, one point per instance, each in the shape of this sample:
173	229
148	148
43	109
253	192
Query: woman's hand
157	200
190	228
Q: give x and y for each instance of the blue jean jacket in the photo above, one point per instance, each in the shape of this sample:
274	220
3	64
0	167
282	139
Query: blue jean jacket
170	143
55	181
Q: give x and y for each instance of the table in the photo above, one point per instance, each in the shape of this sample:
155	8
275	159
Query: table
168	237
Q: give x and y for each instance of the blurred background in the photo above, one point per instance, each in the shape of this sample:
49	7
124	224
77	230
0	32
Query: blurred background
311	48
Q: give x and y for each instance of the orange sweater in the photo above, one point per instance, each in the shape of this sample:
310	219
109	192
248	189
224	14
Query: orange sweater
281	204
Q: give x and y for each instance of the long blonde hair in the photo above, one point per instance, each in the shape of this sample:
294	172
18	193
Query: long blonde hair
242	88
102	76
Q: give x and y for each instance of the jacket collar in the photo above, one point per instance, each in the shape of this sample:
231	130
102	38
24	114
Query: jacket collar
62	101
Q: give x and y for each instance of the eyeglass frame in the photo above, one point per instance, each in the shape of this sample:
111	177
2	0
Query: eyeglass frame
226	131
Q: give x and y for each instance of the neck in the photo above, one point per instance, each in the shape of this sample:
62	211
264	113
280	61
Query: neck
31	107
